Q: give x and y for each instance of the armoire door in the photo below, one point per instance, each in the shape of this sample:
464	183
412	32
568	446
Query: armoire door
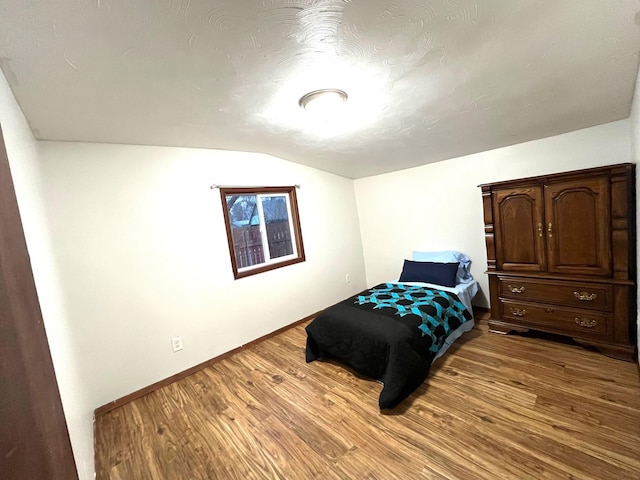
577	221
520	239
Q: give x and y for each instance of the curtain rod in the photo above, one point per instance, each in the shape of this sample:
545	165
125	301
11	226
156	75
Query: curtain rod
214	186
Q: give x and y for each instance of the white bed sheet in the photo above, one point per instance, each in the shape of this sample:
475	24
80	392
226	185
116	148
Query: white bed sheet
465	292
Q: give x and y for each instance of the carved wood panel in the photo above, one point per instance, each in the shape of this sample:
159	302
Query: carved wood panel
577	218
519	217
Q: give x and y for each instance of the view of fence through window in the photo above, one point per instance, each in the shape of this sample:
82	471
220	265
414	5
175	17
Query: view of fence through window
260	228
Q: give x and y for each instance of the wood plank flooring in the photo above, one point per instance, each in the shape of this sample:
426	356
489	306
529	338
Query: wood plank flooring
494	407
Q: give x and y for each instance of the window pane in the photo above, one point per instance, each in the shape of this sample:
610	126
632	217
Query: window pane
245	229
276	217
263	228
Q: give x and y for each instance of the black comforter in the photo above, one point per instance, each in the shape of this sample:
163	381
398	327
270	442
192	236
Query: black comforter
390	332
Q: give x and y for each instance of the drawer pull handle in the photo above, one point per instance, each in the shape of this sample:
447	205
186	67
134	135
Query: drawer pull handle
584	296
540	230
586	322
518	312
513	289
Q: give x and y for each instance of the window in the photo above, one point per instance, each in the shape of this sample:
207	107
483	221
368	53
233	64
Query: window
263	228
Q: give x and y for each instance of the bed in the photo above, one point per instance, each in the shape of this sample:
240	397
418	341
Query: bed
394	331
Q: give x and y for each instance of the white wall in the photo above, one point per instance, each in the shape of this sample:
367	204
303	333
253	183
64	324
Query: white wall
439	206
635	123
143	256
22	150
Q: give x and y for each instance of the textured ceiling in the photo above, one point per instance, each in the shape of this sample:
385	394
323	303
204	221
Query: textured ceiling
427	79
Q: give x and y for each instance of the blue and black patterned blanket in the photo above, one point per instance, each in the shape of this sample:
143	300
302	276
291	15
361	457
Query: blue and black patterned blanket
390	332
439	312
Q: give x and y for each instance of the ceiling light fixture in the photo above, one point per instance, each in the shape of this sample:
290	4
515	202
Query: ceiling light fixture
324	101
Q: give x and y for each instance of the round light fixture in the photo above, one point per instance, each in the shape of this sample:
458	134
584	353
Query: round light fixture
323	102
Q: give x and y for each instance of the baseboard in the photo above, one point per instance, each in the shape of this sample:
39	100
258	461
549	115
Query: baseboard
179	376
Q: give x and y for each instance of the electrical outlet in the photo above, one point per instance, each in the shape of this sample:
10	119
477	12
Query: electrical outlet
176	344
347	278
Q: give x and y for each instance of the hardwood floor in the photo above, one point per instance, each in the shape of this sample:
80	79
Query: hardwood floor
494	407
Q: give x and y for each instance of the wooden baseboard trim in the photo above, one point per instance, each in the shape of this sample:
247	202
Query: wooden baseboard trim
179	376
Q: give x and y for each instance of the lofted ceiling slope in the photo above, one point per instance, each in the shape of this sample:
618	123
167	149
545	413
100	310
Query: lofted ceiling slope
427	80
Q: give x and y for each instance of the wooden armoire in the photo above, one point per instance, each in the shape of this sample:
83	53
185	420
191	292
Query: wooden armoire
561	256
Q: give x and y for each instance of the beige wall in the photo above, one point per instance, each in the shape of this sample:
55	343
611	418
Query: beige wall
439	207
143	255
22	150
635	124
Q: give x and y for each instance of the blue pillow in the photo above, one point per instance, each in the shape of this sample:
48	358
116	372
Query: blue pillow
448	256
429	272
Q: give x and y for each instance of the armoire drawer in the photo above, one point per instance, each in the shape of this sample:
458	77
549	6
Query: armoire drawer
556	319
580	295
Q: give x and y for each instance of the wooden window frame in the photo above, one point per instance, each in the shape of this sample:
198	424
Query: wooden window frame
290	191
